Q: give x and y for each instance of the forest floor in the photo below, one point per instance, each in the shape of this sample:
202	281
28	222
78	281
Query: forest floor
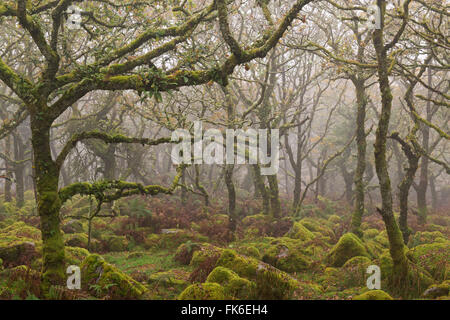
158	248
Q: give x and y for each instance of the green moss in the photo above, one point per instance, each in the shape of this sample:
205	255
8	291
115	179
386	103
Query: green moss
204	291
103	279
437	290
76	240
374	295
234	285
370	233
186	251
351	275
243	266
168	279
348	246
434	258
73	226
116	243
75	255
425	238
172	238
321	226
435	227
21	230
382	239
335	219
252	251
135	255
299	231
206	251
416	281
374	248
286	257
17	251
271	283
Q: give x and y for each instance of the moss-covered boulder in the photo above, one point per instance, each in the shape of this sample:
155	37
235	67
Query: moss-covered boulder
185	252
299	231
76	240
204	291
351	275
271	283
115	243
20	230
348	246
426	237
370	233
106	281
75	255
72	226
374	295
437	290
335	219
171	278
286	257
172	238
206	251
382	239
252	251
234	285
318	226
374	248
417	279
17	252
434	258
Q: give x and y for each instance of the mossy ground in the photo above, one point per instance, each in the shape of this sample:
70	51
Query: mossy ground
308	258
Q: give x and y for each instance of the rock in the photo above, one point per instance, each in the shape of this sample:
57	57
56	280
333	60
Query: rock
17	253
348	246
76	240
75	255
204	291
417	280
206	251
72	226
370	233
271	282
434	258
351	275
425	237
115	243
299	231
252	251
104	280
335	219
286	257
374	295
20	230
170	278
437	290
185	252
172	238
234	285
319	226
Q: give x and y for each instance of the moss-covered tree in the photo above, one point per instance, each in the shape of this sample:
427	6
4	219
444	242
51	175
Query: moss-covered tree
123	63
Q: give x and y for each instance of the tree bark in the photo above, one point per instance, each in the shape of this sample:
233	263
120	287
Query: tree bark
361	100
396	245
48	205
